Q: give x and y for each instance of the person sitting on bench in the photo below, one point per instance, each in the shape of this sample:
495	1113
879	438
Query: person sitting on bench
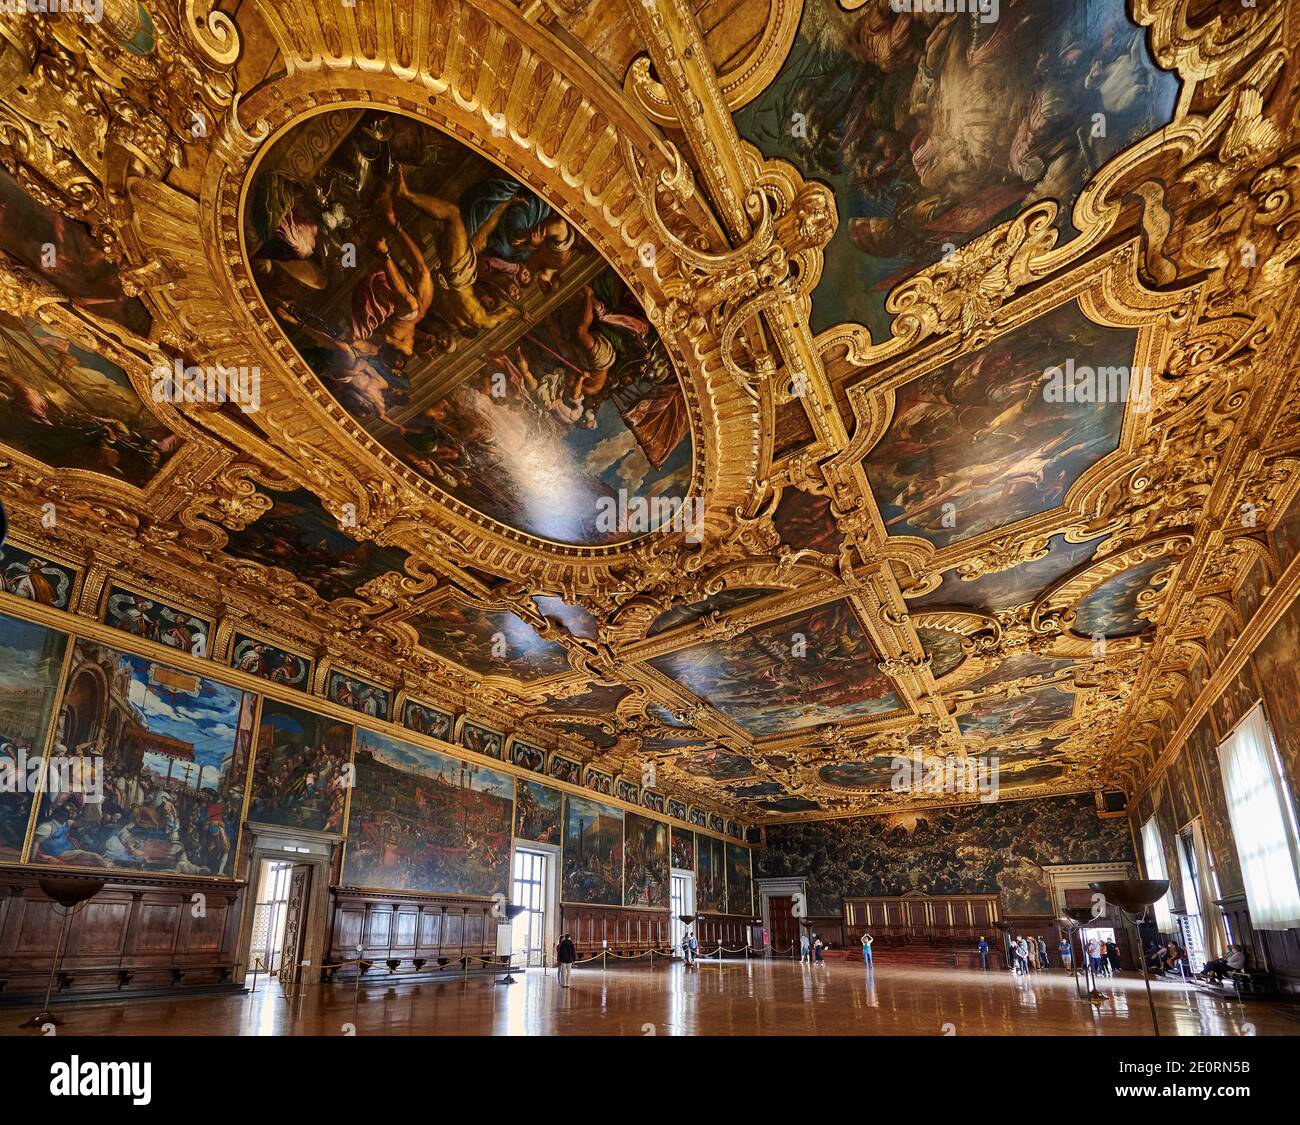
1234	962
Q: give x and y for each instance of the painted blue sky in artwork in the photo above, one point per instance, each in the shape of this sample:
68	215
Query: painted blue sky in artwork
207	718
414	759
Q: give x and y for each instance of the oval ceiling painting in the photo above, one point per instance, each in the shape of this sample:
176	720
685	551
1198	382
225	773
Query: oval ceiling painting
469	328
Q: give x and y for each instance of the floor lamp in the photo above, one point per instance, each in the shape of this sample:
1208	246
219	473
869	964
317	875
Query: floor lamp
1077	917
687	920
1133	898
66	895
506	940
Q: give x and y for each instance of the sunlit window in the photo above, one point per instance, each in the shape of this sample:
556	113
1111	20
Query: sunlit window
1154	854
1263	823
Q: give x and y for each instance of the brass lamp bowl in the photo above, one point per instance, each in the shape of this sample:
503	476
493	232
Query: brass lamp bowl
1132	896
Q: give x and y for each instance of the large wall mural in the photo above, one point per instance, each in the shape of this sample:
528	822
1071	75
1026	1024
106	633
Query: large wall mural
1275	663
645	862
31	661
982	849
477	335
593	852
179	754
934	127
175	752
740	883
539	812
710	875
424	822
300	775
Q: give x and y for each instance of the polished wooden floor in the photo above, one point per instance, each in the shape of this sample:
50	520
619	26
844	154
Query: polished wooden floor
734	998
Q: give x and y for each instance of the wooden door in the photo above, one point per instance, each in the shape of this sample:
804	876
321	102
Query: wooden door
785	926
295	911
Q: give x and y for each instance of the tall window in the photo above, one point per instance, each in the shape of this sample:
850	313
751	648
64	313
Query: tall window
1193	932
683	903
1263	823
529	891
1154	854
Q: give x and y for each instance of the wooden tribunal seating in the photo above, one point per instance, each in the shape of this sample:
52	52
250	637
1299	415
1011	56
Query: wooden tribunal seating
925	929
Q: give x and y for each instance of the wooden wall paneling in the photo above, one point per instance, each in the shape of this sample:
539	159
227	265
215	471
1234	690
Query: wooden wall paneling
137	936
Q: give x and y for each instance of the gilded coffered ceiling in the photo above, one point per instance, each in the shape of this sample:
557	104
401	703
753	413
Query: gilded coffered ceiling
763	390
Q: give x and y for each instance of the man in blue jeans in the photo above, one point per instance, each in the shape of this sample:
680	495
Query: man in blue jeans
867	939
984	953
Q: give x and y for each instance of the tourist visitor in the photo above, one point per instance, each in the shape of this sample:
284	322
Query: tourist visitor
565	954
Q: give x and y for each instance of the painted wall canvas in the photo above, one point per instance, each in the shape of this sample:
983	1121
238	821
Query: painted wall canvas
354	693
1165	819
1241	694
1250	594
31	663
1274	664
740	883
565	769
479	338
593	852
72	408
677	809
1203	748
979	444
1286	534
599	780
538	812
427	720
66	256
35	578
627	791
298	535
804	670
145	617
933	126
710	875
426	823
645	862
653	801
683	849
259	658
976	849
530	757
481	740
301	770
175	750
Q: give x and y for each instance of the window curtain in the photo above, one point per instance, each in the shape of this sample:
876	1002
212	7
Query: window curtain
1216	940
1263	823
1154	854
